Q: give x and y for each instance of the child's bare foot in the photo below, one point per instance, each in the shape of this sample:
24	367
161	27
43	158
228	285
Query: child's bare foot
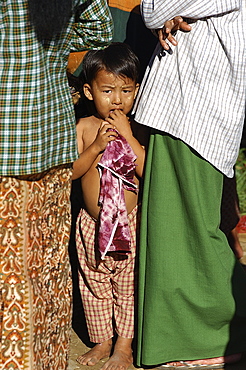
97	353
122	356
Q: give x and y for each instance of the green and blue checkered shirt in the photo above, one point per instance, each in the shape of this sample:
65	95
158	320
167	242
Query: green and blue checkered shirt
37	122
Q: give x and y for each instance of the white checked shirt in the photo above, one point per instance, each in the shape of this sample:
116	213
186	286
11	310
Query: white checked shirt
197	91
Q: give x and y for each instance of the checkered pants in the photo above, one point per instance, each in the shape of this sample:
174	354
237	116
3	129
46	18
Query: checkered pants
107	287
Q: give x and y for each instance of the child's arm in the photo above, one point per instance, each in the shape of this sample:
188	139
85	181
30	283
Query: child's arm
88	156
122	124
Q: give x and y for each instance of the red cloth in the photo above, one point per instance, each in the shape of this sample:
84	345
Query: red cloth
117	170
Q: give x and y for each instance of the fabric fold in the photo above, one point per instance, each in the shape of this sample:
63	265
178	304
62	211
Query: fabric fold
117	169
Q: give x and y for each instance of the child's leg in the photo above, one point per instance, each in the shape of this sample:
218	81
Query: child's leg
96	292
123	292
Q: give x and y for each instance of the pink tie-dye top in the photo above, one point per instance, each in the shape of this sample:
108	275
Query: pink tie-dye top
117	170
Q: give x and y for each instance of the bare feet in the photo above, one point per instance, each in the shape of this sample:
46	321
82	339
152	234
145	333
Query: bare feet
97	353
209	361
122	356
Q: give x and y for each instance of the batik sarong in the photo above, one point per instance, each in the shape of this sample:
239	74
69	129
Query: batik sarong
35	277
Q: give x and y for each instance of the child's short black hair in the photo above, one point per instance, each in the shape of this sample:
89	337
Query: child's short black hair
117	58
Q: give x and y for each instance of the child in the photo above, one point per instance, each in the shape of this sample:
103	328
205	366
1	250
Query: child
107	281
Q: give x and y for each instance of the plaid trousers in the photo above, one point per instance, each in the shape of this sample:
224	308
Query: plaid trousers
106	286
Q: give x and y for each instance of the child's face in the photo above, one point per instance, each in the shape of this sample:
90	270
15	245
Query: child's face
110	92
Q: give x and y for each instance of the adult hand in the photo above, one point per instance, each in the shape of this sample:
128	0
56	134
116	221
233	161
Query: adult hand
166	32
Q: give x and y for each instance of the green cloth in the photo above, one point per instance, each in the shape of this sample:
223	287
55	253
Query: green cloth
192	289
37	118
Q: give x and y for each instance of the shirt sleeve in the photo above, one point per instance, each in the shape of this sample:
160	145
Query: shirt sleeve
93	26
156	12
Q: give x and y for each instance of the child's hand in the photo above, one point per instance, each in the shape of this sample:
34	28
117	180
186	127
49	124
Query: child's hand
120	122
104	135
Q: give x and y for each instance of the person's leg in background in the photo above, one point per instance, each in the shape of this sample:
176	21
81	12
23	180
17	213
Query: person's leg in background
230	214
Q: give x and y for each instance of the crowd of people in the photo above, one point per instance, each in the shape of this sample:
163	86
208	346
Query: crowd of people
154	153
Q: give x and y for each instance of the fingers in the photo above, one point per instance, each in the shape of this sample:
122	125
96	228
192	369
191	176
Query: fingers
105	134
107	129
184	26
166	33
118	119
172	39
163	36
105	125
115	113
173	24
